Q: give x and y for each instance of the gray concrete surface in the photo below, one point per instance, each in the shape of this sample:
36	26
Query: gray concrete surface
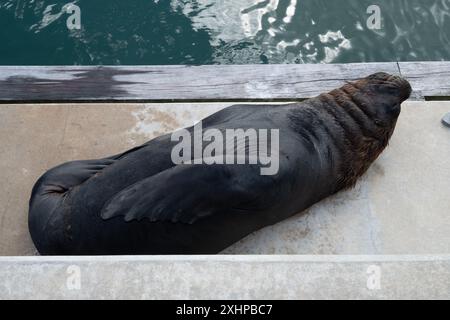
401	206
226	277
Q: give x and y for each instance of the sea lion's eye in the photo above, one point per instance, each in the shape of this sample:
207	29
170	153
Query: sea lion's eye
391	89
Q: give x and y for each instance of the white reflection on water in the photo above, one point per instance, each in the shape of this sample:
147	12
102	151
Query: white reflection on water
339	41
226	20
48	17
229	31
290	11
265	27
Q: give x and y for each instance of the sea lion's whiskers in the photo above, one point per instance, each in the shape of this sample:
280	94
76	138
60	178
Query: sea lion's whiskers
360	118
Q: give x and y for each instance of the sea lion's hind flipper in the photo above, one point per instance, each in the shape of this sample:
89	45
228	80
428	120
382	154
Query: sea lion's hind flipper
73	173
46	212
63	177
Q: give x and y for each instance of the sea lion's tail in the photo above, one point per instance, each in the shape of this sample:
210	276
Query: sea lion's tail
47	218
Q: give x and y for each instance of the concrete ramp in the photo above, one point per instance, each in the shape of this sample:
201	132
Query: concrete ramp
401	206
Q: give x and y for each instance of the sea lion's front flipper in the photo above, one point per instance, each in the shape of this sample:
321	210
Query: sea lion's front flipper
186	193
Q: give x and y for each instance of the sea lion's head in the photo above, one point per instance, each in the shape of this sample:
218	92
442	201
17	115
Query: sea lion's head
379	97
370	108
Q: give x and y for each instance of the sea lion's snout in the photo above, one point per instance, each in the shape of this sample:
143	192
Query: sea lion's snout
391	84
404	87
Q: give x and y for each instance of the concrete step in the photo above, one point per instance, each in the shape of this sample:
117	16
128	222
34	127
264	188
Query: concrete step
226	277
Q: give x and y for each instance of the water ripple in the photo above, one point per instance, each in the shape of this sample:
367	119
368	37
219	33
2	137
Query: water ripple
223	31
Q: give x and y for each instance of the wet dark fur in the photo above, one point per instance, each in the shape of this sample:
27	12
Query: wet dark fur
358	134
139	202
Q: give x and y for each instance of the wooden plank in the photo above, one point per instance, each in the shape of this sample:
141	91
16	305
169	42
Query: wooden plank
178	83
429	79
203	83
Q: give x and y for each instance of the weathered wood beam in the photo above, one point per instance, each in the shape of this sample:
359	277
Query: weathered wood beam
428	79
212	82
205	83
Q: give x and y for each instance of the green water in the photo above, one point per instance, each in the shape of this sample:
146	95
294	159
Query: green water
133	32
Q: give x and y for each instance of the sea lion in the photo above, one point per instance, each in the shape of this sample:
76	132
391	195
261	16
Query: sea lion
141	202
